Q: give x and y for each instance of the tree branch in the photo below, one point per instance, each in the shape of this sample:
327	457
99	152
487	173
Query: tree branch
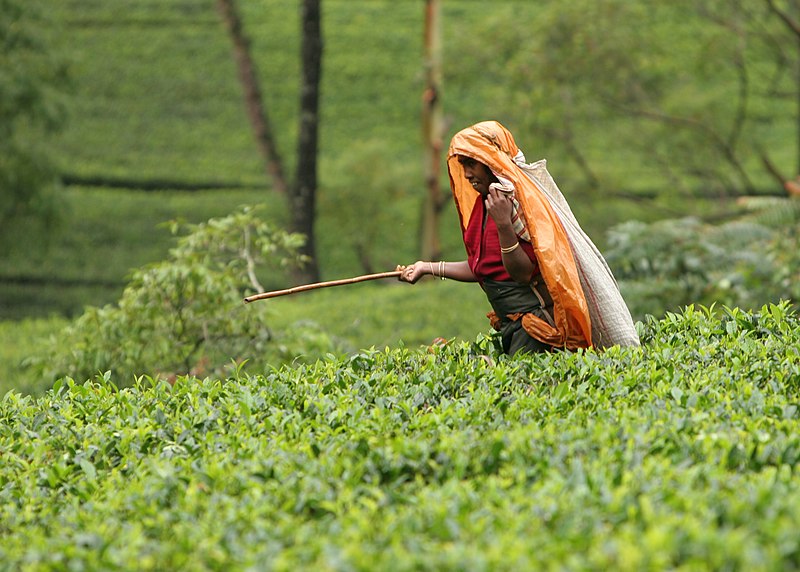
701	127
792	24
251	263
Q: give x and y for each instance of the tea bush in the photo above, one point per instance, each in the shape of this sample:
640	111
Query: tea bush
680	453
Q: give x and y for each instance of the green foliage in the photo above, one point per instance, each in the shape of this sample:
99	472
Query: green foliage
671	263
783	216
781	212
185	314
31	110
680	454
785	251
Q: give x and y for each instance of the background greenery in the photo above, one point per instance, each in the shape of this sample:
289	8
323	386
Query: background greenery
154	101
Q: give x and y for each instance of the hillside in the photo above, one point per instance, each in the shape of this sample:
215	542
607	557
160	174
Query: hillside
680	454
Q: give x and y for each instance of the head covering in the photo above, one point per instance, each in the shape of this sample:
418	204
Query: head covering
490	143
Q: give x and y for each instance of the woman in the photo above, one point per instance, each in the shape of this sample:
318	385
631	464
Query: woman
517	249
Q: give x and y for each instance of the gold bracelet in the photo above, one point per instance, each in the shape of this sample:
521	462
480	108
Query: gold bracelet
431	267
441	270
506	250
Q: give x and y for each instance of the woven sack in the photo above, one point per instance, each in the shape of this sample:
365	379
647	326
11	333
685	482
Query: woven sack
611	320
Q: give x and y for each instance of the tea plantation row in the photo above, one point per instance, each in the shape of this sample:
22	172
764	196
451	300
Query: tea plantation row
679	454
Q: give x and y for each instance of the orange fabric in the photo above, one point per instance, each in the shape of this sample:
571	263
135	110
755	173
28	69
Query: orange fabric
493	145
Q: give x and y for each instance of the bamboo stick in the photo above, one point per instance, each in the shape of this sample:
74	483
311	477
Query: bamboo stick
314	286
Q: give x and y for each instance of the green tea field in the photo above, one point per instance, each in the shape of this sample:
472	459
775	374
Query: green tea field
678	455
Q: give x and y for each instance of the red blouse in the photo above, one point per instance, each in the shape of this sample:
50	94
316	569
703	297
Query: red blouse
483	247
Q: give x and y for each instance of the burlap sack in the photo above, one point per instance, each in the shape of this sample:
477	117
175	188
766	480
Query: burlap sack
611	320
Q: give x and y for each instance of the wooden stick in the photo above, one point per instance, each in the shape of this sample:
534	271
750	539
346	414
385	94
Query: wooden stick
316	285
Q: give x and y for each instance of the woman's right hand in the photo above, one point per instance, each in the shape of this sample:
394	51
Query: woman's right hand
413	272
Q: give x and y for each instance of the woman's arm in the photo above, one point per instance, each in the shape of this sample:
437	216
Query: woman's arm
459	271
515	259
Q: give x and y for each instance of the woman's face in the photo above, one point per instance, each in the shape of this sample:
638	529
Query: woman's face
477	174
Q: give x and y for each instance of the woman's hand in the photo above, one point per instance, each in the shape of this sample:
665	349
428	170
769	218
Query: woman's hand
515	261
454	270
499	207
413	272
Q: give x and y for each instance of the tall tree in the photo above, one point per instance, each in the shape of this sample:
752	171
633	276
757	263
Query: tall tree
432	133
302	198
254	103
301	193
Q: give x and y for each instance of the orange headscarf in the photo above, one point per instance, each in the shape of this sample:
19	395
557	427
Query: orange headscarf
493	145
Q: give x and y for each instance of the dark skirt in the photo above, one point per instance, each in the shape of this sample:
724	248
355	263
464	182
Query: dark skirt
512	298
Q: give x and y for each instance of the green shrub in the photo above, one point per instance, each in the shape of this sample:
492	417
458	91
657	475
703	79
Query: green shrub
669	264
185	315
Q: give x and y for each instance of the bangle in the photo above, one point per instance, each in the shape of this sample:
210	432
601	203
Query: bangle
440	264
506	250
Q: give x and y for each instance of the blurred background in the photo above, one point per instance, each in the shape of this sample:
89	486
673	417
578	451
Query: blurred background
673	129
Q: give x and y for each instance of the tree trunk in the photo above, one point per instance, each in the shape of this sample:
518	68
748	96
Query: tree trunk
432	134
256	110
302	198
